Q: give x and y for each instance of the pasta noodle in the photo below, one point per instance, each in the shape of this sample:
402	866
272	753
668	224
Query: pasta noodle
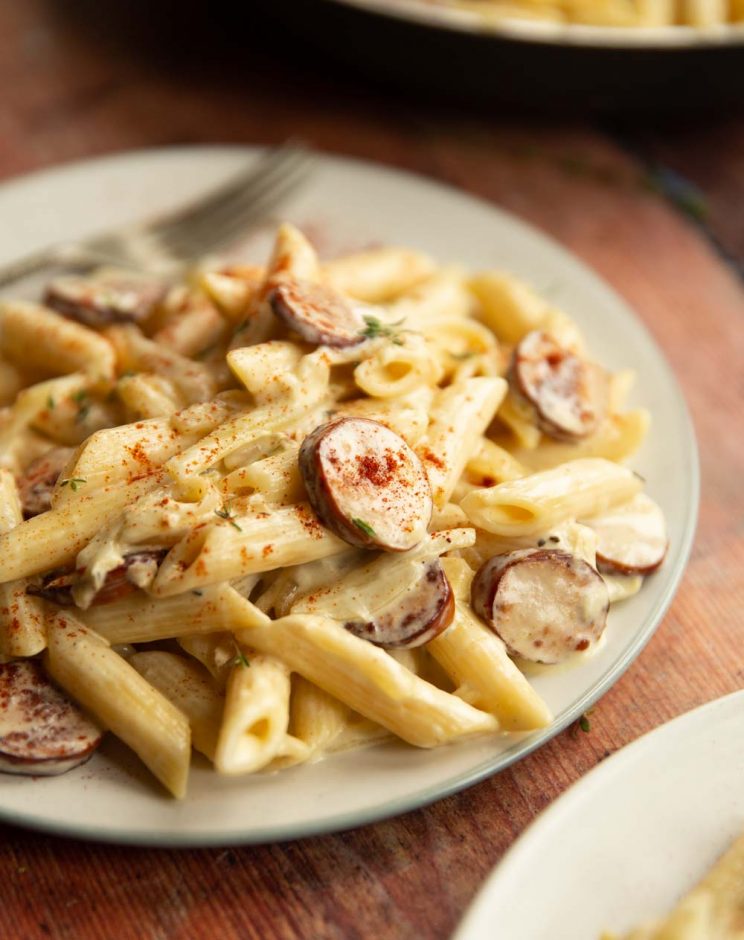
624	13
256	520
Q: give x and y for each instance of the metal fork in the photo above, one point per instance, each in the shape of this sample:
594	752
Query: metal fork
169	241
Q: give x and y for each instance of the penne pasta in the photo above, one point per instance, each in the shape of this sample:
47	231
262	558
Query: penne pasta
442	295
141	619
477	662
359	674
537	502
316	718
53	539
138	353
195	330
22	630
120	699
146	395
244	545
43	339
508	307
459	416
397	369
378	274
256	716
246	513
190	688
276	477
618	438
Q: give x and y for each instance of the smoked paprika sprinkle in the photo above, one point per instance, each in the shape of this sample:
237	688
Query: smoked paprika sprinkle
366	484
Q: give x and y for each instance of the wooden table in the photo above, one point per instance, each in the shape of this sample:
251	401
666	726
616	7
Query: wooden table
97	81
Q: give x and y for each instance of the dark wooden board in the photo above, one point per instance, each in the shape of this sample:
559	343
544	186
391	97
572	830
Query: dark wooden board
75	87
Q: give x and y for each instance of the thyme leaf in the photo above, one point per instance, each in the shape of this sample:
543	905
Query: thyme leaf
364	526
225	513
376	328
74	483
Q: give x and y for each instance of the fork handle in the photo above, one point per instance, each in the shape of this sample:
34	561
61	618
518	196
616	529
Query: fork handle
31	264
53	256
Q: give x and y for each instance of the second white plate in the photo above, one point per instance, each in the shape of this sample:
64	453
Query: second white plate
628	840
349	204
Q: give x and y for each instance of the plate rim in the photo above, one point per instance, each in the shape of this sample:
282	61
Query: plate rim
551	815
451	19
165	838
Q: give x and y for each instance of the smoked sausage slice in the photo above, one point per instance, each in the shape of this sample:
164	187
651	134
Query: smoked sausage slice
366	484
543	603
423	613
41	731
632	538
39	479
320	315
567	392
137	569
104	299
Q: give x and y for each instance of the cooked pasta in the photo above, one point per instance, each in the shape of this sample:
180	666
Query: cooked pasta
277	512
625	13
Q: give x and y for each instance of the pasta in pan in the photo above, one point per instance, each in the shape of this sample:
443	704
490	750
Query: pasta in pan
272	513
628	13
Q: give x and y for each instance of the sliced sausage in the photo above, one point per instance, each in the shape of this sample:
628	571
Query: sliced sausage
426	609
366	484
544	604
41	731
632	538
102	300
320	315
137	570
39	479
567	392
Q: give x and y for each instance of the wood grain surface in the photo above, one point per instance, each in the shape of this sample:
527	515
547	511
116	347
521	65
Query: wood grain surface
84	79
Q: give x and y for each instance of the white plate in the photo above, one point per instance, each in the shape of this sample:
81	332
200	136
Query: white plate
463	20
628	840
350	204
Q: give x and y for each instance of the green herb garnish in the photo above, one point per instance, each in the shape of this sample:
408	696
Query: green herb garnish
225	513
81	398
241	660
376	328
74	483
585	724
50	403
364	526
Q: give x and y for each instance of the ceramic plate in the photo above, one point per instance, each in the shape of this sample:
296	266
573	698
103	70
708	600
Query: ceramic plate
450	17
626	842
346	205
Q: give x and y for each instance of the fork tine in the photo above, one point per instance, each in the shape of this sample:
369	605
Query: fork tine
258	176
168	241
191	242
222	226
240	204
